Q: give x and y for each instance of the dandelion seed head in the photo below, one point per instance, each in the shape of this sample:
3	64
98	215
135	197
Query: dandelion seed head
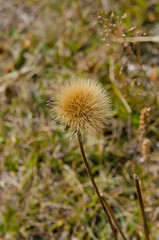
83	104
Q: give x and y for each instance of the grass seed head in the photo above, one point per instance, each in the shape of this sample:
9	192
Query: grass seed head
83	104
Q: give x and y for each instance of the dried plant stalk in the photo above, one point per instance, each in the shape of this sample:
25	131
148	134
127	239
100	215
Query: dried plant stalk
139	194
143	123
138	39
113	217
84	105
94	184
145	151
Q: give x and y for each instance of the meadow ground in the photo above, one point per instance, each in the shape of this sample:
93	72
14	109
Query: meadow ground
45	193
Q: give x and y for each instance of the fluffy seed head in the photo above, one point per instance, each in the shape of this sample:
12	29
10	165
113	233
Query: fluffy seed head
82	104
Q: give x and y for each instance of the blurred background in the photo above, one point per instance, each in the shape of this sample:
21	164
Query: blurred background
45	193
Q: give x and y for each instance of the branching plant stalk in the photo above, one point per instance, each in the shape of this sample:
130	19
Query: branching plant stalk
139	194
94	184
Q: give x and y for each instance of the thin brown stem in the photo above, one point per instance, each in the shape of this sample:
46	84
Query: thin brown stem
110	221
113	217
94	184
139	194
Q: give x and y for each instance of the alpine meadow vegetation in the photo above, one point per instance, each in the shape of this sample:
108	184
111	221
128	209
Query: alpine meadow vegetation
79	125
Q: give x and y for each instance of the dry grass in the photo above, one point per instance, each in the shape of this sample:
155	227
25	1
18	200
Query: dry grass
44	191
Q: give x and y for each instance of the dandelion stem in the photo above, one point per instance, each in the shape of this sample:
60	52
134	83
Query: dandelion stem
94	184
139	194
